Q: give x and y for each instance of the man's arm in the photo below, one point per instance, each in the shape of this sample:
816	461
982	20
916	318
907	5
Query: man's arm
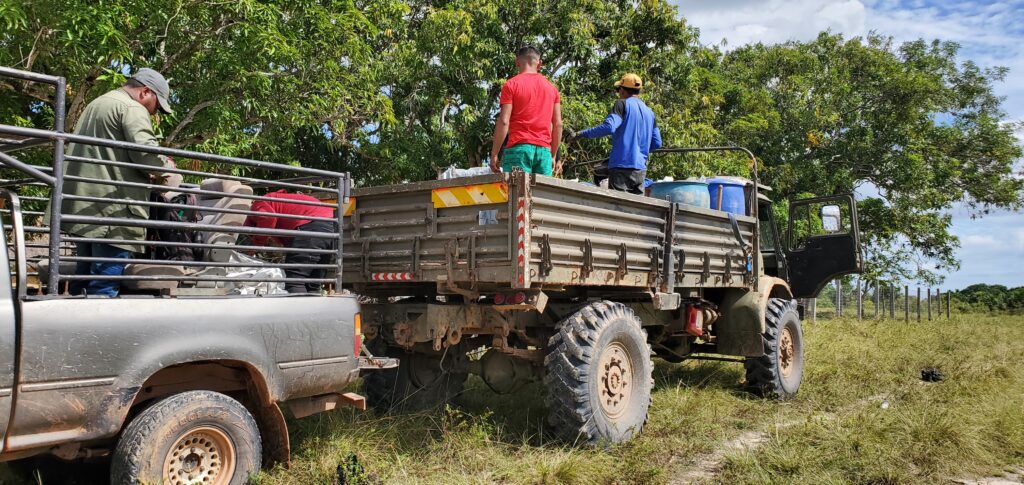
656	138
556	138
500	130
611	123
138	128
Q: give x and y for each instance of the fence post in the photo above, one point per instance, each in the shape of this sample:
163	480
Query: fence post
860	300
878	292
918	304
839	298
948	302
929	304
892	303
814	309
906	303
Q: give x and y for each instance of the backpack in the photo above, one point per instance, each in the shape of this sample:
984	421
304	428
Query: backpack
177	234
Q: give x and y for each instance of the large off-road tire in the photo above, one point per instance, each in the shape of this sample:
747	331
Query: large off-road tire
598	375
778	372
420	383
193	437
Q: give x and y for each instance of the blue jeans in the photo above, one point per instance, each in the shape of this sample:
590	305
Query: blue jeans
99	287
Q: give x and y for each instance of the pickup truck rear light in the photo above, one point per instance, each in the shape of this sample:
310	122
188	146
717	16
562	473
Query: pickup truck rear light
519	298
499	299
358	338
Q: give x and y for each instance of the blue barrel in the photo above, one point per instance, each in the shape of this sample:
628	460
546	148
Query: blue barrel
733	194
690	192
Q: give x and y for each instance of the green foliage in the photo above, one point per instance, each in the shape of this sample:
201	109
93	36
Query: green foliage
991	298
393	90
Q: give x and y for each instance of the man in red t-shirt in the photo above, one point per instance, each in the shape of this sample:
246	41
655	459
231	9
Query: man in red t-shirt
269	219
531	117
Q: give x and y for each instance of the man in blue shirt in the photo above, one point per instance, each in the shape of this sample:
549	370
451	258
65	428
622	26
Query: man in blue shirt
634	134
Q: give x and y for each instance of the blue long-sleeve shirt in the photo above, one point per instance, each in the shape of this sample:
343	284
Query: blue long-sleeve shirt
634	133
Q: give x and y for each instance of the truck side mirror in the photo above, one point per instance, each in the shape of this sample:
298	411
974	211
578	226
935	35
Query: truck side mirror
831	219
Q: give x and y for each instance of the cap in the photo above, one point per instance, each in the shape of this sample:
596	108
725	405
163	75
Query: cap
629	80
155	82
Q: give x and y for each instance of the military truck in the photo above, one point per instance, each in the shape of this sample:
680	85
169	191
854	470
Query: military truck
516	276
183	377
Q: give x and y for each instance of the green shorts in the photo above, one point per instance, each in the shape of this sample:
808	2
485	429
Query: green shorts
528	158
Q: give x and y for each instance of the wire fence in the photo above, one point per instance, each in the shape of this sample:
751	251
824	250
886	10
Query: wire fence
875	300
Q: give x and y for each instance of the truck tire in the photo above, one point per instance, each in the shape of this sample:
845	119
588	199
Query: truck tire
420	383
778	372
598	375
192	437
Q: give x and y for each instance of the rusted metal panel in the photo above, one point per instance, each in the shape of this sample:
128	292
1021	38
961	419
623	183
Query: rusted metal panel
572	234
398	229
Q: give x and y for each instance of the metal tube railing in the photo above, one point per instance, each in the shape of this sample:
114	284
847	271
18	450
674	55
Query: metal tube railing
221	210
188	190
320	260
182	171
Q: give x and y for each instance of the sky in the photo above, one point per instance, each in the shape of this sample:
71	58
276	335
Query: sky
991	33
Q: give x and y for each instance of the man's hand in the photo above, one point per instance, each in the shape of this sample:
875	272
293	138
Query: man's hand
495	167
159	178
571	135
558	168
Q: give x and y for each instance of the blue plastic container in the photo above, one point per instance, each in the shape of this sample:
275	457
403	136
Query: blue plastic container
690	192
733	194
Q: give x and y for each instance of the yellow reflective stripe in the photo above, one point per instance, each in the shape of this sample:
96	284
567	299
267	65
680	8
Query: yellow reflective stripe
470	195
349	207
463	195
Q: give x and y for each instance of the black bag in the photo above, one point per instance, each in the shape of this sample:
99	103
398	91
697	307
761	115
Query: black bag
177	234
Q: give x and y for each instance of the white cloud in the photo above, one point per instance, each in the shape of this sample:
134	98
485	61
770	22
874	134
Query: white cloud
770	21
982	241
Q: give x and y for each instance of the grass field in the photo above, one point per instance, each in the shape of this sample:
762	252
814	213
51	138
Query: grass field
862	416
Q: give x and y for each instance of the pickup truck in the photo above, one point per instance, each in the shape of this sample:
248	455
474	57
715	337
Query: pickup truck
182	378
518	276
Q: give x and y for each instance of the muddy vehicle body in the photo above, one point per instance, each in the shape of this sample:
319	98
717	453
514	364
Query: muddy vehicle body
183	377
517	277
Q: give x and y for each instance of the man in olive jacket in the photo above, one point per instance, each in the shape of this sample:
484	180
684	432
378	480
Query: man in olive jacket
122	114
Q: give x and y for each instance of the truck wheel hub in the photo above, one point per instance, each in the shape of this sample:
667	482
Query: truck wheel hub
200	456
614	372
787	349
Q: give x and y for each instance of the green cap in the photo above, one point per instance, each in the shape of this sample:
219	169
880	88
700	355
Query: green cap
156	83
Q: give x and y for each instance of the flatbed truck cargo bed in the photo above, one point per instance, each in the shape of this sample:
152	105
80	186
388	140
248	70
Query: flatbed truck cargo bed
538	232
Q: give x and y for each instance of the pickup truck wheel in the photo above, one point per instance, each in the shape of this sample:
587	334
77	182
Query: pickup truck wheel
778	372
421	382
196	437
598	375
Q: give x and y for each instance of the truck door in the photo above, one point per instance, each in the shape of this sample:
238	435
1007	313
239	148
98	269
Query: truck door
822	242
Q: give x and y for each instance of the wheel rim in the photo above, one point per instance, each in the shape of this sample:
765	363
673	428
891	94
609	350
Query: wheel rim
615	384
787	352
201	456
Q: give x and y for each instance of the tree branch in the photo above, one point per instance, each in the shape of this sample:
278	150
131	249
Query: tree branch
187	120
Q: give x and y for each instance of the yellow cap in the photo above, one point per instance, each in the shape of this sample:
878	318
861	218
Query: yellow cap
629	80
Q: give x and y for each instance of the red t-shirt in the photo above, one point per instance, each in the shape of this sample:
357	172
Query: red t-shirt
270	221
533	100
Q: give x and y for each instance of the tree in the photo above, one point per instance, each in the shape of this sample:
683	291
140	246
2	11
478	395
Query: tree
245	75
392	90
834	115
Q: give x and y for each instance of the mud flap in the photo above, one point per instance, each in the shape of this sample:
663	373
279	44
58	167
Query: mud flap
741	325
